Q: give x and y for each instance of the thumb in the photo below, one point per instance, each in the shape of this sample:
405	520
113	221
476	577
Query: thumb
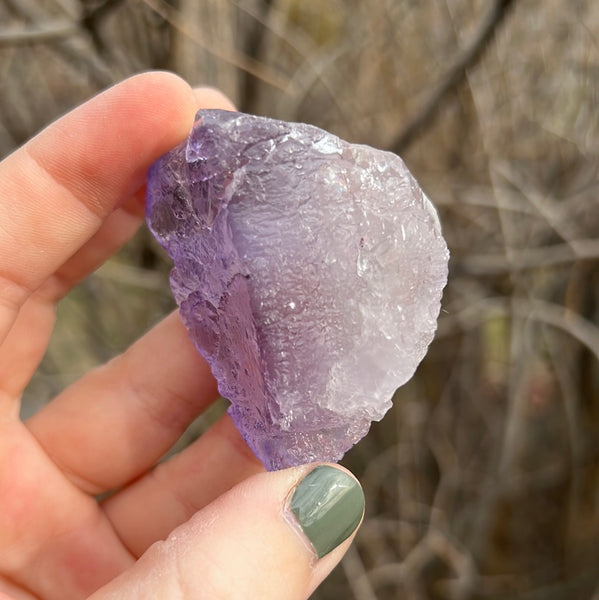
275	536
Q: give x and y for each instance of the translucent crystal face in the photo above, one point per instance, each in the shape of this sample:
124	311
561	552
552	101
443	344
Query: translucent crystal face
309	274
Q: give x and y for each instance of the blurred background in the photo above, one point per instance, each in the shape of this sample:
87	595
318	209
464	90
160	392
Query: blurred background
483	481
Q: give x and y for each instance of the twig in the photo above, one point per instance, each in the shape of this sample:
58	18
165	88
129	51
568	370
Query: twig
465	60
530	258
254	43
95	66
92	19
231	56
39	33
94	15
581	329
56	30
356	575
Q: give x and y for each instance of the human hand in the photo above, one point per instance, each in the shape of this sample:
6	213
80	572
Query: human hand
68	199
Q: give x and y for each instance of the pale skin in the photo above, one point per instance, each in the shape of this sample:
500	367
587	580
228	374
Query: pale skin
208	523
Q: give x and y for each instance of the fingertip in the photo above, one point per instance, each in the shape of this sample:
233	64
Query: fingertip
327	505
165	100
157	79
114	137
326	509
209	97
275	535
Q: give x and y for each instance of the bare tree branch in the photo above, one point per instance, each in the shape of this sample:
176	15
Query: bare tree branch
229	55
356	576
529	258
59	29
92	19
38	34
465	60
560	317
70	48
254	42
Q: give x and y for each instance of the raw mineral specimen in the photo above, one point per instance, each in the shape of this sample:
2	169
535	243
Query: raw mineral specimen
309	274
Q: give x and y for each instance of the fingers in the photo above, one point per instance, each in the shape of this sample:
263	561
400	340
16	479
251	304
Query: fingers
55	540
25	343
150	508
276	535
119	226
116	229
57	189
9	591
168	107
208	97
116	422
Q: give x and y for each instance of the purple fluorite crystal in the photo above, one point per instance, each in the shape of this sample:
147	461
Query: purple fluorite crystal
308	272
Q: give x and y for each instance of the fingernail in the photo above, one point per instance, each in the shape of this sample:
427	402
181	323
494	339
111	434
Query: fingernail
328	505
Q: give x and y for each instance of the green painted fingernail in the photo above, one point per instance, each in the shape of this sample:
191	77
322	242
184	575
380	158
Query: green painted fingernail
328	505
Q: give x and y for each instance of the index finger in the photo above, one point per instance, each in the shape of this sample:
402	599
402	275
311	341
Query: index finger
56	190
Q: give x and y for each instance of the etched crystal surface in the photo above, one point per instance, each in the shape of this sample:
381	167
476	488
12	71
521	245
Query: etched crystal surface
308	272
